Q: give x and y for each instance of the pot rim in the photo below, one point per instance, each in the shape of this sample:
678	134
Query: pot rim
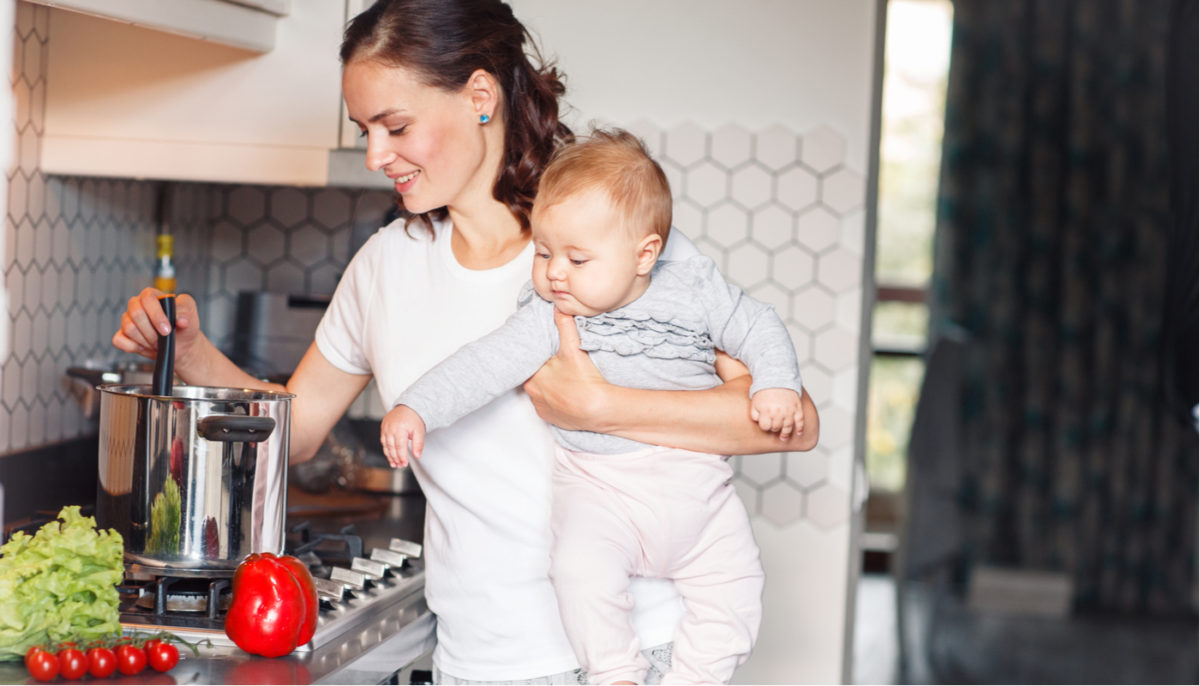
205	393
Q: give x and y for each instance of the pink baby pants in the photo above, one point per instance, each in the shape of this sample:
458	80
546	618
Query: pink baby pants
658	512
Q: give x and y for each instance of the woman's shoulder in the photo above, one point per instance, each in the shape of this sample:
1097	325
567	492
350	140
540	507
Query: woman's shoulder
687	272
678	246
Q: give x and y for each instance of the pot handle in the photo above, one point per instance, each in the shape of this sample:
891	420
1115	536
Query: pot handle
232	428
93	377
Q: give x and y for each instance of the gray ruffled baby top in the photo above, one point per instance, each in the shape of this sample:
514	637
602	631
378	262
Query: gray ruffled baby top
664	340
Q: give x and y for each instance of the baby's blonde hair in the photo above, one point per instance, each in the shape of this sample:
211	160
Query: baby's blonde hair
615	161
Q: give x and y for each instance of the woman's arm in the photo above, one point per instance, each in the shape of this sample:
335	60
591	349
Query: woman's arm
197	360
323	392
570	393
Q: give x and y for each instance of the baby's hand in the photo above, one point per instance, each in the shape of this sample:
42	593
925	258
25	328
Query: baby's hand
400	426
778	410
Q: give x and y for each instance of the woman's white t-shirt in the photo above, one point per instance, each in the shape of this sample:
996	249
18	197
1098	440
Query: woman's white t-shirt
404	304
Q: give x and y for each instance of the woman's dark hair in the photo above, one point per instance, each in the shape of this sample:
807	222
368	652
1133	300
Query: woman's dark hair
444	42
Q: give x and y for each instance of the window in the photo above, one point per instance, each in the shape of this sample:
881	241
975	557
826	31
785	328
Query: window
916	62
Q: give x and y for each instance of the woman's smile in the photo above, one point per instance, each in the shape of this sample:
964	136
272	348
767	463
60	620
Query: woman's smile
406	182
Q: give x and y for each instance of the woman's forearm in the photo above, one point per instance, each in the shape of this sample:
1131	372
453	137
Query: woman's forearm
715	420
570	393
322	393
208	366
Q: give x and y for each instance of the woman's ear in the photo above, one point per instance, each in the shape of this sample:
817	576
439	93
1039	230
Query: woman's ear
648	251
484	94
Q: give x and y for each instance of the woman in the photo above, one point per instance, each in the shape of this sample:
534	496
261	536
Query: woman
464	122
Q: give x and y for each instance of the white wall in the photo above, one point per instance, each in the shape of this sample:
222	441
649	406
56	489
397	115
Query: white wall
759	111
798	63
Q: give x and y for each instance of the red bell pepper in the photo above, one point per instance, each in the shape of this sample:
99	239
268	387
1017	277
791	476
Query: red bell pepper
274	606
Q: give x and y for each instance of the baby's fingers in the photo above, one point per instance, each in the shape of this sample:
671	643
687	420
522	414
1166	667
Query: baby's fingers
418	443
390	450
788	426
401	452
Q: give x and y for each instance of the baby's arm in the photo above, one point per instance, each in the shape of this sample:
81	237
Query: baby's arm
400	426
750	331
473	376
778	410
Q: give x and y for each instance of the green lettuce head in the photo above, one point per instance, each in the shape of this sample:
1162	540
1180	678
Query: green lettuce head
59	584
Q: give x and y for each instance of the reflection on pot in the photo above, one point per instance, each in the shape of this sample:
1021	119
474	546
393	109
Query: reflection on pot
212	539
165	518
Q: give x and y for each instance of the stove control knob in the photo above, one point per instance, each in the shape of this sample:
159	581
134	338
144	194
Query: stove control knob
390	558
405	547
372	569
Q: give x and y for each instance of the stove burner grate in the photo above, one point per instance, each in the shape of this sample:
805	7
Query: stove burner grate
345	545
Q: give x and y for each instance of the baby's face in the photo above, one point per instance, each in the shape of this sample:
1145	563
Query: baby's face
584	261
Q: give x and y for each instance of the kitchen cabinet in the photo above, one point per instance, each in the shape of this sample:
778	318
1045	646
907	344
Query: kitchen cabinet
131	102
247	24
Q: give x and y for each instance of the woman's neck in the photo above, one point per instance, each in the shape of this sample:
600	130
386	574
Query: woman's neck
487	237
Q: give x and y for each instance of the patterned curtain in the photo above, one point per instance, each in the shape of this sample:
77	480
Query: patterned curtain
1052	250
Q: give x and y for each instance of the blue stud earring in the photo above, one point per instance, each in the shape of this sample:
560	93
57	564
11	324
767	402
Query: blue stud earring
483	119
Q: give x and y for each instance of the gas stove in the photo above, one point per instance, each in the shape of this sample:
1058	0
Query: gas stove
355	588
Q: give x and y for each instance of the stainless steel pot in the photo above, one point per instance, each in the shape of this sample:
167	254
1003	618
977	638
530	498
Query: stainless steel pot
195	480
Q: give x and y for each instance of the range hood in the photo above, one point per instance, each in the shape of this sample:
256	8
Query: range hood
246	24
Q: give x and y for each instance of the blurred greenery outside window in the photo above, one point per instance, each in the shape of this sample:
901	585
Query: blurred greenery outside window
916	61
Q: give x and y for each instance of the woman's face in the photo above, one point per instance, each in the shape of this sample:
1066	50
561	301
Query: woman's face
427	140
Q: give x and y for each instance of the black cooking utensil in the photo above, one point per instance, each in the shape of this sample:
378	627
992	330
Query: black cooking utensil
164	362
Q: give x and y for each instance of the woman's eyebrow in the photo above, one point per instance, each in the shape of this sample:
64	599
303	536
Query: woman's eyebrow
384	114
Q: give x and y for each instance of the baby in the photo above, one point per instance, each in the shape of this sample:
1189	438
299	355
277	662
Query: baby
622	508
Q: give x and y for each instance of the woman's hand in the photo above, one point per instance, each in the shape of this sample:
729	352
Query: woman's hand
568	391
144	320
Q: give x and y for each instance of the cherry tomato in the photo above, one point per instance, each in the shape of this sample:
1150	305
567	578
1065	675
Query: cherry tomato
130	659
162	656
31	654
43	665
102	662
72	663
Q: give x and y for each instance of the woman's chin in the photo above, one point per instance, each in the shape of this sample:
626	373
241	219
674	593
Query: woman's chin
414	205
419	203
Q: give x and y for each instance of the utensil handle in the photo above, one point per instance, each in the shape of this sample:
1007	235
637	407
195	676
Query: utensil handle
233	428
164	361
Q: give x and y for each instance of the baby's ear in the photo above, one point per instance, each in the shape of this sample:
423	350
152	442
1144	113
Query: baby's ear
648	251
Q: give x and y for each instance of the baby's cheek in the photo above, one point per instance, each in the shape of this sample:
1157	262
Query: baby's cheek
542	287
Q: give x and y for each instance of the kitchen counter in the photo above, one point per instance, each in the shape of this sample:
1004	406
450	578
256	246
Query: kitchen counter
371	654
